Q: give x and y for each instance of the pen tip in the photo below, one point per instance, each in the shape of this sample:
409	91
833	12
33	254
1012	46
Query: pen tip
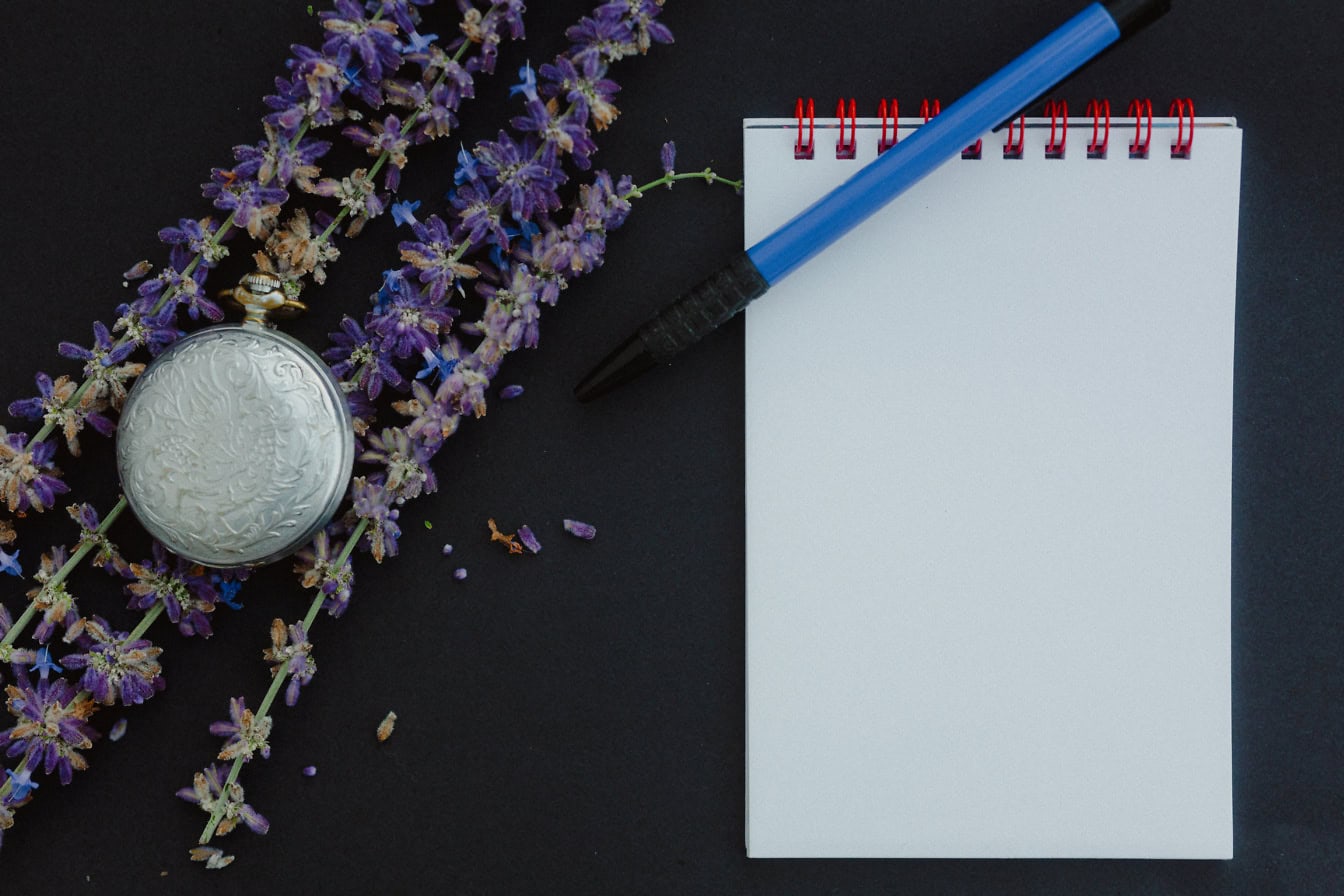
621	366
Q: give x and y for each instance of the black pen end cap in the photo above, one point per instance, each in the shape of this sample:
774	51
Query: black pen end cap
630	360
1131	15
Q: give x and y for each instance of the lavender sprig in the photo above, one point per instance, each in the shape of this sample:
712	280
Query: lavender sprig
502	179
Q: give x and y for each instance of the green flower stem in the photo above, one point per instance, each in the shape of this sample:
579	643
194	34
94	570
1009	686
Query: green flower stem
61	574
150	615
707	176
277	679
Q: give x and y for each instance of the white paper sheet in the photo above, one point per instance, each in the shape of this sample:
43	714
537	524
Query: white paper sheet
989	443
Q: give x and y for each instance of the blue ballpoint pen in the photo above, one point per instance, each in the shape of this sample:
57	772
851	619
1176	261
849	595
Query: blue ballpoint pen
722	295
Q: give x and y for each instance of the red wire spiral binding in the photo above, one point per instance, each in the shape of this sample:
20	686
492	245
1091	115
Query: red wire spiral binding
884	143
1138	109
801	150
1184	136
1141	110
846	149
1011	149
1096	149
1058	110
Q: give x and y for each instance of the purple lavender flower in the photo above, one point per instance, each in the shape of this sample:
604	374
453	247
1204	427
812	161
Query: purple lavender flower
103	354
315	564
642	16
374	42
187	594
208	792
291	654
433	416
406	462
53	405
115	667
383	137
584	87
245	733
512	315
355	352
106	555
255	207
357	195
434	256
50	597
9	563
142	326
279	160
312	92
605	37
199	238
486	29
525	181
477	216
52	727
410	323
17	657
668	156
558	133
373	502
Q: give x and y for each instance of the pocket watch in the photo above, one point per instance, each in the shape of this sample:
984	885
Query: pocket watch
236	445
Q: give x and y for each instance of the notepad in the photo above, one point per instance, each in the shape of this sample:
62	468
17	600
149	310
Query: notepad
988	488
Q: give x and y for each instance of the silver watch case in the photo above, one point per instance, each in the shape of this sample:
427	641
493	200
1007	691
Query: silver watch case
235	446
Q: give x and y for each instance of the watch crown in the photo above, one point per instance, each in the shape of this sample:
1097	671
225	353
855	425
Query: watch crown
259	295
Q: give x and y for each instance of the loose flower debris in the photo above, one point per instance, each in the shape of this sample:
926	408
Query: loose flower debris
508	538
118	730
386	725
212	856
528	539
582	530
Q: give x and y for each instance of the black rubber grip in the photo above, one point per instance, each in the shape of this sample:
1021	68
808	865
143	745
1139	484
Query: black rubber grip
1131	15
704	308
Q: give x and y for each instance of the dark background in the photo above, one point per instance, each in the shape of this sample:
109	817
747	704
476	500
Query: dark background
573	721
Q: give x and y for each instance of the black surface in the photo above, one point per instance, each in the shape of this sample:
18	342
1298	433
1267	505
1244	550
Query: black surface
573	722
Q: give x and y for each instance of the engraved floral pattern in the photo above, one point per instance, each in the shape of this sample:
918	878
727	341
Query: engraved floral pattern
234	446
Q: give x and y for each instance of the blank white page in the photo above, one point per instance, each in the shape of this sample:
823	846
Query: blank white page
989	457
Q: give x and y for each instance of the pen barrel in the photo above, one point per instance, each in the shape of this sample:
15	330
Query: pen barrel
702	309
941	138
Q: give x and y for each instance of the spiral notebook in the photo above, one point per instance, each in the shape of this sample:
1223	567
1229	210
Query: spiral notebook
988	480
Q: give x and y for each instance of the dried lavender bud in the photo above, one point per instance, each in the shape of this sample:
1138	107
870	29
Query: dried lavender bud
460	573
386	725
511	391
447	549
118	730
582	530
528	539
309	771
